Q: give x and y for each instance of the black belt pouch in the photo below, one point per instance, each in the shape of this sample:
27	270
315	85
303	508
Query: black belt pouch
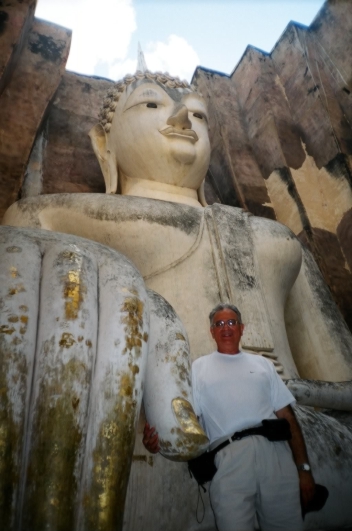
203	468
276	429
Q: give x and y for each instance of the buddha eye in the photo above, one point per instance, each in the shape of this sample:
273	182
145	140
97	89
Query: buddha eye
152	105
198	115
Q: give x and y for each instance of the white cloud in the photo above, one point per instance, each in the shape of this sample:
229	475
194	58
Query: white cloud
101	30
120	68
175	56
101	35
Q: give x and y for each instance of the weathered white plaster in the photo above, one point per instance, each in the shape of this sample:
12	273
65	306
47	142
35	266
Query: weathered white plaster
320	394
284	205
326	198
218	253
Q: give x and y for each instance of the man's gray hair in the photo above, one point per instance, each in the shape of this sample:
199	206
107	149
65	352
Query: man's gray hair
223	306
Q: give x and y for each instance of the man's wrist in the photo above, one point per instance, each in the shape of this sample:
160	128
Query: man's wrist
304	467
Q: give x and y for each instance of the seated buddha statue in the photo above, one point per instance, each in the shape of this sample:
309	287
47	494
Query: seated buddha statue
153	148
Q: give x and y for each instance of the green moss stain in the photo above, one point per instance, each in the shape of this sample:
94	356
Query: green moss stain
11	430
51	487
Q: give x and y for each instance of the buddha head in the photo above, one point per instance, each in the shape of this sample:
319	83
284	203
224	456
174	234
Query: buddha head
152	139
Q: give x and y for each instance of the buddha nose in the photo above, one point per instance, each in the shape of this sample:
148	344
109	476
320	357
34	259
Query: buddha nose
180	118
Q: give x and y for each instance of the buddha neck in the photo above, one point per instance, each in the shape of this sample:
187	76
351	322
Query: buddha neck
158	190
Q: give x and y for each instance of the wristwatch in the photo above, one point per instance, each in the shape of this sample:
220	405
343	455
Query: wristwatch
304	466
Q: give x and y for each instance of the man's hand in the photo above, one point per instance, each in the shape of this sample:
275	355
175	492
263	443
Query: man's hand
307	487
151	439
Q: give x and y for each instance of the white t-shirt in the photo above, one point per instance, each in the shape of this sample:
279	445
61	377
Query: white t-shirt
235	392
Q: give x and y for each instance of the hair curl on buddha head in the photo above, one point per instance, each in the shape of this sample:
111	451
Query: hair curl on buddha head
106	114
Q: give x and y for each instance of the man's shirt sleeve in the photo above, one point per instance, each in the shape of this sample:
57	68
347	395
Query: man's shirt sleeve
280	394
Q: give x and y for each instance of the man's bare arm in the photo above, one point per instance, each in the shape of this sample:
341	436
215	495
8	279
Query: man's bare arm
299	451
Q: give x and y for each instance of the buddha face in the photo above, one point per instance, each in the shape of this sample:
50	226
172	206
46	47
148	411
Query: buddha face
161	134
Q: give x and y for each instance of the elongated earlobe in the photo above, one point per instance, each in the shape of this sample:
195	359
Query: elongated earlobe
201	195
106	160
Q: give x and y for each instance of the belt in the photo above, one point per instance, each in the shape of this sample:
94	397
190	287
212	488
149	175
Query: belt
272	429
237	436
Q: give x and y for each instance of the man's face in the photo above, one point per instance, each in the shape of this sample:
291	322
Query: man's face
161	134
227	337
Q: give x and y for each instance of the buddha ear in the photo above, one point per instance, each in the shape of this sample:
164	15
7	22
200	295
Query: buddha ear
107	161
201	195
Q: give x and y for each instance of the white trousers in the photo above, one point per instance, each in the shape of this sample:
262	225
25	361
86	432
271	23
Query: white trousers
256	477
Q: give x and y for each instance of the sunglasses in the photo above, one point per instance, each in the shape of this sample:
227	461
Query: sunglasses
229	322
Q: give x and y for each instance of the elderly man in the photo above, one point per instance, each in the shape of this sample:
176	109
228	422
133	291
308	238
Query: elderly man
233	391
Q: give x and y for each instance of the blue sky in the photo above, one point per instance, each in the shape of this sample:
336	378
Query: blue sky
176	35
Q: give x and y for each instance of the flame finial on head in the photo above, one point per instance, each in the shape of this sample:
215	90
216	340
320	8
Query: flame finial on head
141	64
